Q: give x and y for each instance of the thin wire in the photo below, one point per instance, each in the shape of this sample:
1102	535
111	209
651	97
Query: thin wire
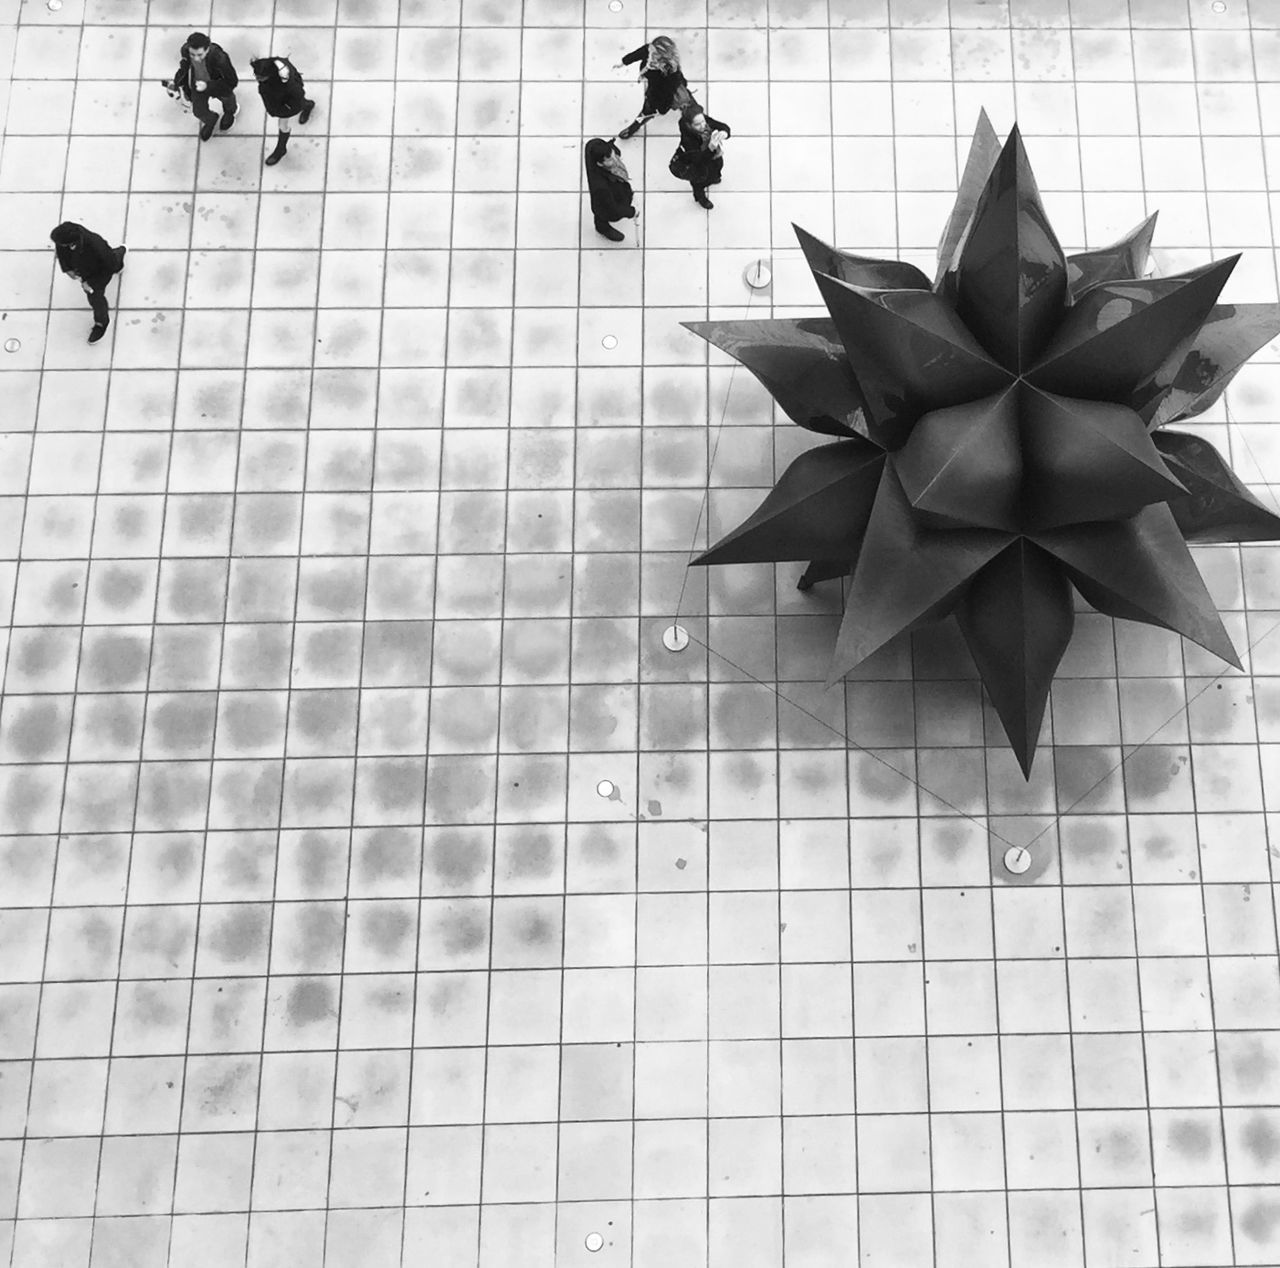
711	466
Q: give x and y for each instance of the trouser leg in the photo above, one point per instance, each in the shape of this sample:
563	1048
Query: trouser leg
200	107
637	123
97	295
227	103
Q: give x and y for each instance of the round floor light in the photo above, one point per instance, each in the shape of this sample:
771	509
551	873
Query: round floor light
12	345
675	638
758	274
1017	860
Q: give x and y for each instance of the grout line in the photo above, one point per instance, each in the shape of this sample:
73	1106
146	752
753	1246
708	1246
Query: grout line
58	837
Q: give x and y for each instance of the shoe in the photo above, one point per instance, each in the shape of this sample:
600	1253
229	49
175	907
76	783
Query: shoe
227	120
206	129
608	231
703	201
628	132
282	144
307	108
96	333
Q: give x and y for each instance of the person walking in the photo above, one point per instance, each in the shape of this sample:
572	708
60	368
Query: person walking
660	69
204	71
85	255
699	158
608	187
284	97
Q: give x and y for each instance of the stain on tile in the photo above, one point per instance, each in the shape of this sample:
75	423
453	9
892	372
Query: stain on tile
183	725
1253	1065
464	932
155	1008
1261	1139
322	859
119	585
387	928
395	786
325	716
251	722
25	798
1191	1137
311	1000
1150	778
321	930
267	519
457	858
1260	1220
238	935
532	855
389	854
116	661
534	929
39	729
226	1093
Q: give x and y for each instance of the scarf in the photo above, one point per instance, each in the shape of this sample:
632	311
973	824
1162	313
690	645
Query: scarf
613	164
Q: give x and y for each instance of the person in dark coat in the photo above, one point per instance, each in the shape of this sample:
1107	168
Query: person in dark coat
204	71
660	69
284	96
699	158
85	255
608	186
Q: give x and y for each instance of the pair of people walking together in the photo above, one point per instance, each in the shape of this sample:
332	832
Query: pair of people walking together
206	73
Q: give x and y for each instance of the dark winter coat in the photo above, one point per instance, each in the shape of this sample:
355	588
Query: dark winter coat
693	160
611	198
222	75
84	254
659	89
283	98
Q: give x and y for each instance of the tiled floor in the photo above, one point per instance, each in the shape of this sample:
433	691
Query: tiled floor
359	521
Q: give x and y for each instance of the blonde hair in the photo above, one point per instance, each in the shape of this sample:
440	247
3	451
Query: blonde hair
663	55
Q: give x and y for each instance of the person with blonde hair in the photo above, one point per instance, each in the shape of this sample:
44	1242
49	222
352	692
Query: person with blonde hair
660	69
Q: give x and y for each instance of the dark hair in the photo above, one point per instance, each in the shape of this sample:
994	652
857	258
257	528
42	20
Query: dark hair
197	39
68	231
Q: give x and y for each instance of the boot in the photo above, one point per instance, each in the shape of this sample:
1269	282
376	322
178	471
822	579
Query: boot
206	129
96	333
606	230
702	200
307	108
228	119
282	144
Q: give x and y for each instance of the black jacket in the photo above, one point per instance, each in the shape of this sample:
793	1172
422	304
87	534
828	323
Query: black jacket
659	89
611	198
86	255
693	161
283	98
222	75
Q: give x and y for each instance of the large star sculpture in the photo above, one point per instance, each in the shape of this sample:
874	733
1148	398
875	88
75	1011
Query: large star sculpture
1000	438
